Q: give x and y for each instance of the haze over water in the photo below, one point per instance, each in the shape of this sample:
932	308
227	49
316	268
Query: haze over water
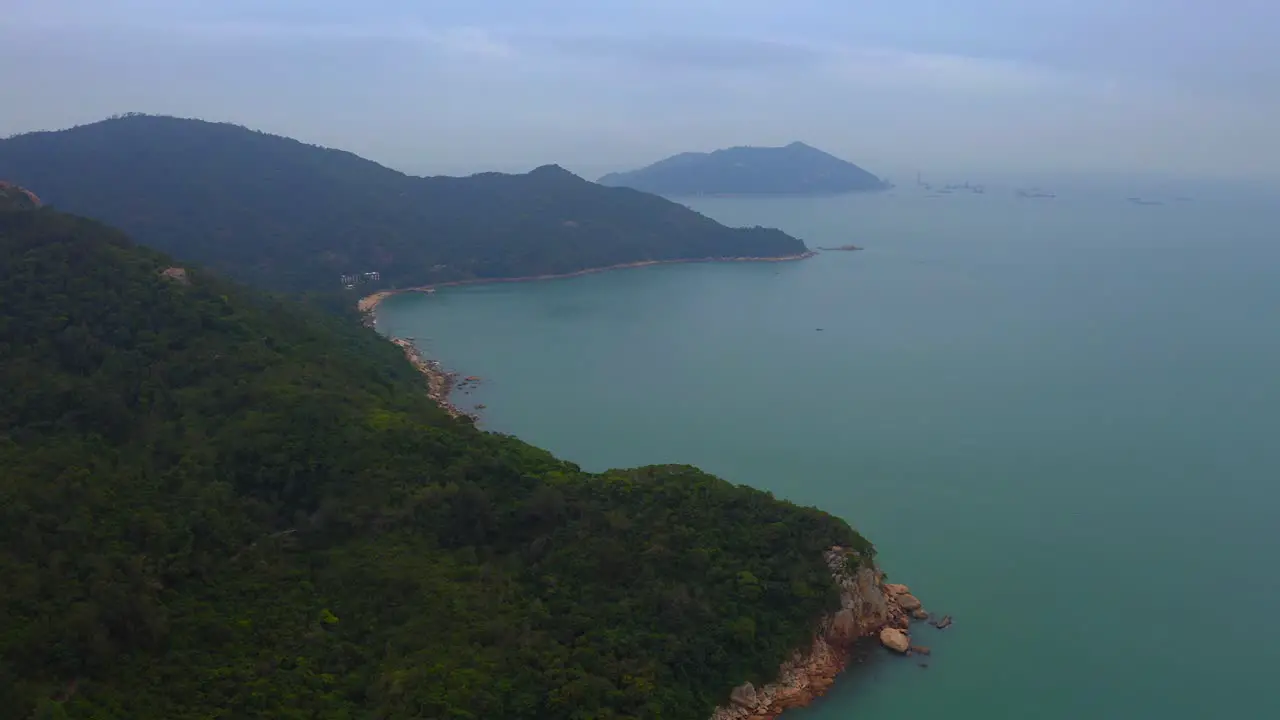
1055	418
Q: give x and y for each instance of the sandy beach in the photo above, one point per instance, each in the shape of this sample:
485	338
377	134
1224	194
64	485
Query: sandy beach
369	303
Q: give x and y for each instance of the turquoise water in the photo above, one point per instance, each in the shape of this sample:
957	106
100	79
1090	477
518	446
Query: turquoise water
1055	418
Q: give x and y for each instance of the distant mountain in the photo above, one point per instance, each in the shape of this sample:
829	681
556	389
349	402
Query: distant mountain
795	169
289	216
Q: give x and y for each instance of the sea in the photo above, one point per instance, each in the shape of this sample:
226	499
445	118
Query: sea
1058	419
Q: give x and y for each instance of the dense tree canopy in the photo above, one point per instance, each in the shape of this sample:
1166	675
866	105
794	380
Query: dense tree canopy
284	215
216	503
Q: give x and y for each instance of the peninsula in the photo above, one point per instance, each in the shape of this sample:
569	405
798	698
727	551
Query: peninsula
795	169
219	501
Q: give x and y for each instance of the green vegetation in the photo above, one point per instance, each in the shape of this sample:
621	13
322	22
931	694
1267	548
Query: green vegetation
796	169
283	215
216	503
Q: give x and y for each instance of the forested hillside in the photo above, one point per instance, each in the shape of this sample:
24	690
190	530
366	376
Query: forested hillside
219	504
284	215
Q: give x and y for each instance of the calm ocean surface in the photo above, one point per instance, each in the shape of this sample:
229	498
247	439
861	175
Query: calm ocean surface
1057	419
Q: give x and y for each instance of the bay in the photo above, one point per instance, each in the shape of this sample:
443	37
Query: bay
1054	417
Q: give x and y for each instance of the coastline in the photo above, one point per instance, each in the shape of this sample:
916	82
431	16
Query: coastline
871	612
440	382
369	303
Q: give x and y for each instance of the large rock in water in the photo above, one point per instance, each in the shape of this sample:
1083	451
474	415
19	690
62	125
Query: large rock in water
908	602
895	640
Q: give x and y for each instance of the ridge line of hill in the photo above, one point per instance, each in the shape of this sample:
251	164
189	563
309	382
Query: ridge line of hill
284	215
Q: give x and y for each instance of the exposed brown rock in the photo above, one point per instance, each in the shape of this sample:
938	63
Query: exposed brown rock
744	695
844	626
895	640
176	274
907	601
920	614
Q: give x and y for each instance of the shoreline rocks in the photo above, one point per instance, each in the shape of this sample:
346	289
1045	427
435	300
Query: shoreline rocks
869	611
895	639
439	382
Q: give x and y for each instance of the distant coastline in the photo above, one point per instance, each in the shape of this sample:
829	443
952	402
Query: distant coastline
369	303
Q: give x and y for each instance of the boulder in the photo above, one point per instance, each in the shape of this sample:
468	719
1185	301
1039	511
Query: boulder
908	602
744	695
920	614
895	640
895	589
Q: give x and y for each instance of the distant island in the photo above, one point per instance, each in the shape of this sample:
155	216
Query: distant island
795	169
287	216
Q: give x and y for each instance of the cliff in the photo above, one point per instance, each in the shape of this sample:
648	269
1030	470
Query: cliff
867	606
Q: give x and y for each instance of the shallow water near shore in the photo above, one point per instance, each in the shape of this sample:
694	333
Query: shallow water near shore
1055	418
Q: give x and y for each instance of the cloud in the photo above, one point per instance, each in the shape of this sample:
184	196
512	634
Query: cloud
456	40
1137	83
945	73
682	51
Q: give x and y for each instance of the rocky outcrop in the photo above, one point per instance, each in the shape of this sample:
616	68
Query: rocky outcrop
14	197
907	601
176	274
439	382
867	606
895	639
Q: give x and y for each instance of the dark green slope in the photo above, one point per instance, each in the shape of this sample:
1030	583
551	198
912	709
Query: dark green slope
214	503
795	169
284	215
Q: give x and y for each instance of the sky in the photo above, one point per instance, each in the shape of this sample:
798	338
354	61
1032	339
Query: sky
1183	87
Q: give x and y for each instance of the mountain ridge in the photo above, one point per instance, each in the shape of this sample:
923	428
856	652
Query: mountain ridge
285	215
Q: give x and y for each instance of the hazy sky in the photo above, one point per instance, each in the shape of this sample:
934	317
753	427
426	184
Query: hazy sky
1182	86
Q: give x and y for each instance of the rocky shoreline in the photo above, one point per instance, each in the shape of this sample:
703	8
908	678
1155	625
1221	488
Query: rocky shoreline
370	302
440	382
870	609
